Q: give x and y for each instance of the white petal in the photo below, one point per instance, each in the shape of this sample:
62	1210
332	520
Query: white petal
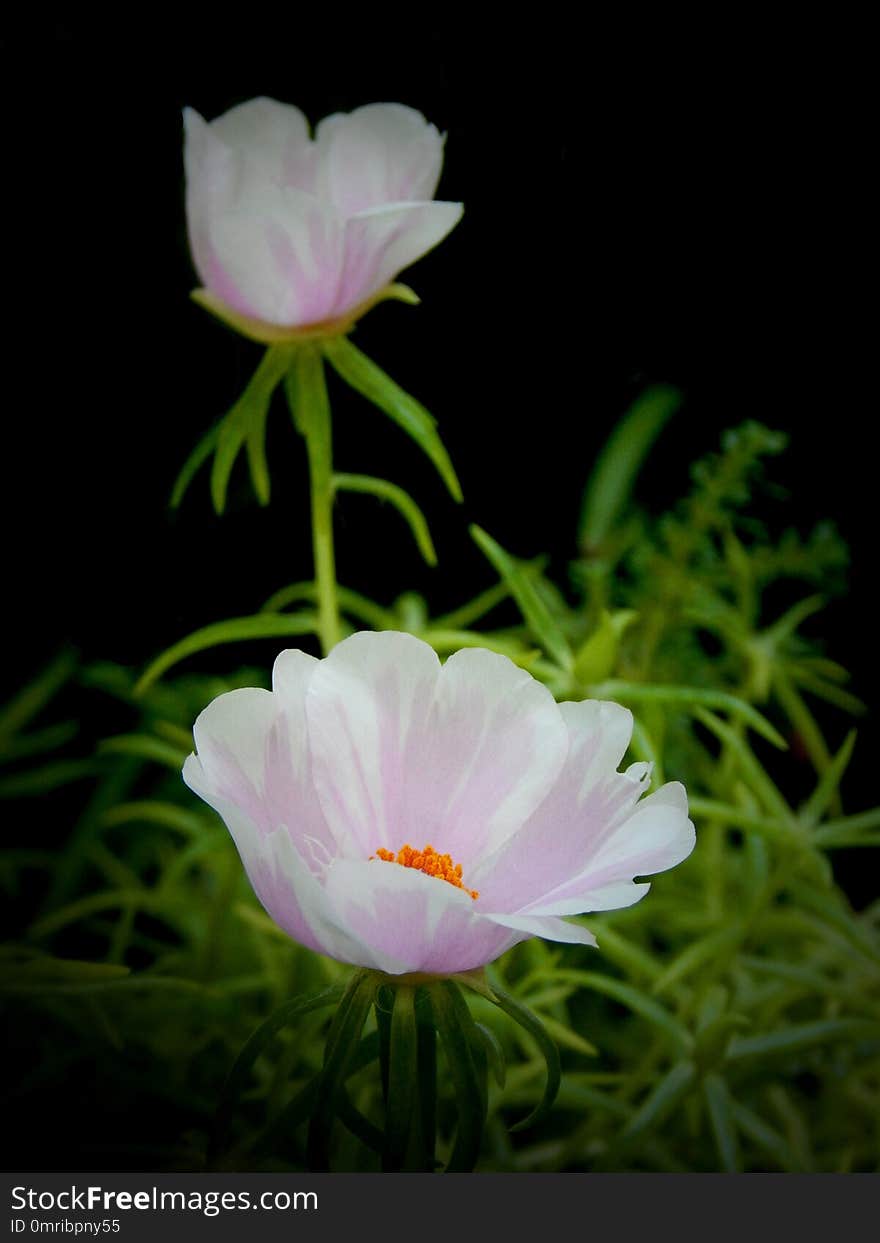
406	921
588	799
405	753
657	836
283	253
379	154
379	244
547	927
274	140
366	703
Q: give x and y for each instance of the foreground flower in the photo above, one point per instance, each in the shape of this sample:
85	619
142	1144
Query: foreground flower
289	232
408	817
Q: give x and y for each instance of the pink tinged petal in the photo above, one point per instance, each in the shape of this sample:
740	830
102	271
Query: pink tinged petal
379	154
406	921
252	757
281	253
657	836
366	703
273	139
379	244
585	804
494	747
296	899
407	753
548	927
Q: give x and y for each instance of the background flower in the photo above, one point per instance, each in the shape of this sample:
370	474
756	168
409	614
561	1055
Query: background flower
294	231
378	746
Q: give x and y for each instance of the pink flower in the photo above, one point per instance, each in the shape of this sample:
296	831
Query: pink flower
324	781
294	231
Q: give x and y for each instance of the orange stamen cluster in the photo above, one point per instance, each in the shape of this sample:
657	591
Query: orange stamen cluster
428	861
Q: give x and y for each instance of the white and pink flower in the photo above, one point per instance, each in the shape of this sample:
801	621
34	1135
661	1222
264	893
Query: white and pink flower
355	764
292	231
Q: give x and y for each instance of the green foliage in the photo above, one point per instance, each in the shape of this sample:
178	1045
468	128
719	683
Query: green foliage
731	1020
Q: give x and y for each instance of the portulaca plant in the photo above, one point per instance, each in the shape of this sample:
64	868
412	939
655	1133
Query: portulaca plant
410	818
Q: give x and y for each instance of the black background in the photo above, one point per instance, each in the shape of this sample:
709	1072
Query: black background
645	200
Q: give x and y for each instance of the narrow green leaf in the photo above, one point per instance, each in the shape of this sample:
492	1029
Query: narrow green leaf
351	602
356	369
669	1092
190	468
610	485
517	576
47	777
723	1124
802	1036
446	641
31	699
246	424
454	1023
235	630
189	824
687	697
402	1072
256	1043
711	948
636	1000
829	784
341	1047
494	1053
401	500
536	1029
762	1134
144	747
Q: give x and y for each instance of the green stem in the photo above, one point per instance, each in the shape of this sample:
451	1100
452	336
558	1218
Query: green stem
313	418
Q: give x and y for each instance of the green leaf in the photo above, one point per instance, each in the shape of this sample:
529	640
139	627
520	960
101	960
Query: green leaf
401	500
829	784
666	1096
597	656
47	777
710	948
371	382
643	1005
189	824
532	1024
446	641
687	697
802	1036
723	1124
518	579
255	1045
762	1134
402	1077
235	630
341	1047
455	1025
361	607
610	485
494	1053
246	424
37	694
200	454
144	747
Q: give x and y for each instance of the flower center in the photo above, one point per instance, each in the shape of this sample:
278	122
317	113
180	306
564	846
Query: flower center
426	860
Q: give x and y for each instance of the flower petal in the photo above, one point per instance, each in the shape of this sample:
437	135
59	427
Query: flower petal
381	243
274	140
548	927
253	757
657	836
281	252
405	752
406	921
366	702
379	154
589	798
